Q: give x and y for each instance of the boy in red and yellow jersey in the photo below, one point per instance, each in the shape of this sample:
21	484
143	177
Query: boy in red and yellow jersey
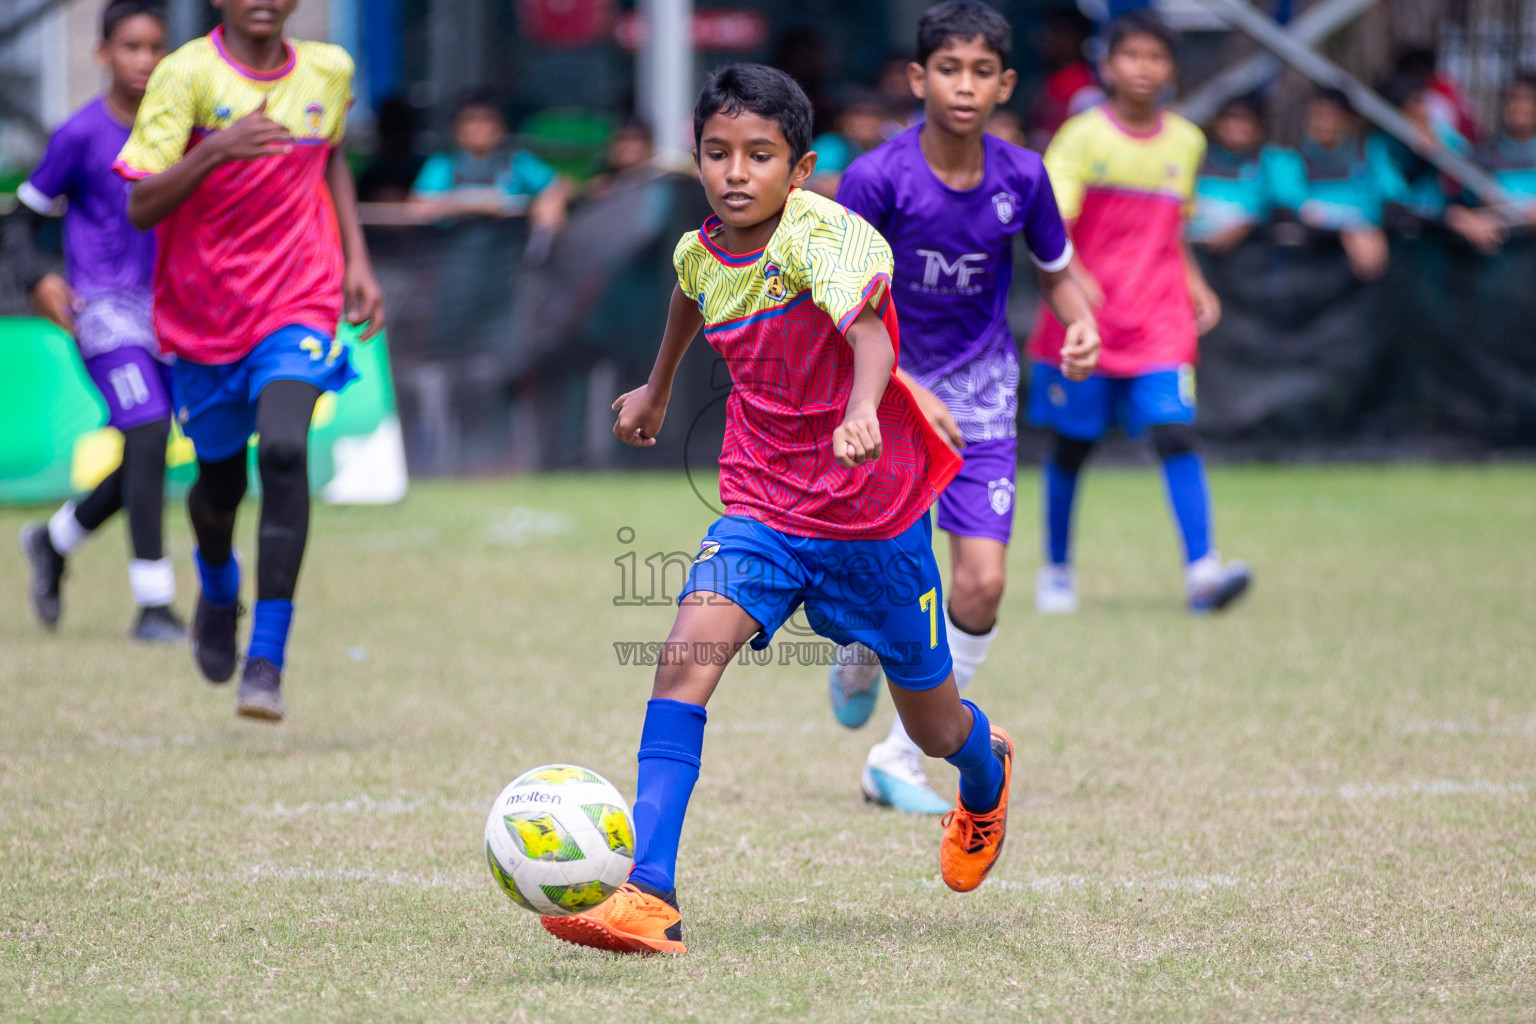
236	157
1124	175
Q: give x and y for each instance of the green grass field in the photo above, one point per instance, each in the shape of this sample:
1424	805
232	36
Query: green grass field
1321	806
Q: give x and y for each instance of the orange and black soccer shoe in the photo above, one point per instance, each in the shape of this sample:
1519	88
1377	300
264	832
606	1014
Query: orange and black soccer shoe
972	841
635	919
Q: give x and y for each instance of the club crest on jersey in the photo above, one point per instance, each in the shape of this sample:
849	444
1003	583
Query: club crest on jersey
1000	495
1003	204
314	116
221	113
707	550
774	289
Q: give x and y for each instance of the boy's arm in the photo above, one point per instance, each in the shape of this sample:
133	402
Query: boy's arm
157	196
857	440
1201	295
1070	303
642	410
364	298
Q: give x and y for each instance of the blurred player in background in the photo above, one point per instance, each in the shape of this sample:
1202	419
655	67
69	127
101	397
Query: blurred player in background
236	155
950	199
104	300
1124	174
827	473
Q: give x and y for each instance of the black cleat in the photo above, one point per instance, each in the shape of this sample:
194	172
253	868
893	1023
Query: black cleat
158	625
260	696
213	639
47	567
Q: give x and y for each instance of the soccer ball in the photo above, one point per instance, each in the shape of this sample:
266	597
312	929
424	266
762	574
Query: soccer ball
559	840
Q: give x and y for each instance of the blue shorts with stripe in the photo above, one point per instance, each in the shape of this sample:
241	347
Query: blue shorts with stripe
885	594
1085	410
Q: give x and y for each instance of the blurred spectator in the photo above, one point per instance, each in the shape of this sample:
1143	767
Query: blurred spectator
1231	196
1511	154
631	147
1445	102
1070	85
393	169
1007	125
858	130
1408	179
1328	183
903	110
488	176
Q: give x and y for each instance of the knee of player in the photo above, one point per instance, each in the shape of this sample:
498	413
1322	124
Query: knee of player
978	591
1171	439
281	454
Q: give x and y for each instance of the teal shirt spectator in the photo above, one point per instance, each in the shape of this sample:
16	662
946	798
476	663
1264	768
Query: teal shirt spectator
1335	189
1229	190
1406	177
833	153
513	172
1513	165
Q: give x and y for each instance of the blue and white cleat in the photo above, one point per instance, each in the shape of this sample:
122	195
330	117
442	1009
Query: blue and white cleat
894	777
1210	586
1056	590
853	684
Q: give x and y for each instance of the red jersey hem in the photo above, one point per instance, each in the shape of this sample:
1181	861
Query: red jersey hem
899	526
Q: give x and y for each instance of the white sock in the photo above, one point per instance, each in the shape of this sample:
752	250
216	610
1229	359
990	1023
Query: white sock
65	531
967	649
968	652
153	582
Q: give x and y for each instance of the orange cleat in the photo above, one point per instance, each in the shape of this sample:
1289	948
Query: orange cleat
635	919
972	841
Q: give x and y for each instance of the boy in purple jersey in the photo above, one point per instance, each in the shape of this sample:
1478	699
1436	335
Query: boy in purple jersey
951	199
106	303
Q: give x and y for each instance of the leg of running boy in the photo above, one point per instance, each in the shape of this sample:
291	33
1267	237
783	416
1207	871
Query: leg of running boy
137	485
283	412
893	772
1208	584
1056	587
642	916
212	504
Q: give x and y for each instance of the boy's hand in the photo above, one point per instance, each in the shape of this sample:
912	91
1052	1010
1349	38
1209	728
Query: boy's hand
1207	305
937	413
858	440
252	137
641	413
1080	350
364	300
54	300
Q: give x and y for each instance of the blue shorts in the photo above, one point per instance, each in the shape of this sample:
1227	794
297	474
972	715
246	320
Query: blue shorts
884	594
216	405
1085	410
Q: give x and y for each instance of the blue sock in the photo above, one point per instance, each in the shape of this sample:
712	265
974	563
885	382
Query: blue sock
1191	500
269	630
1060	492
670	745
981	774
221	583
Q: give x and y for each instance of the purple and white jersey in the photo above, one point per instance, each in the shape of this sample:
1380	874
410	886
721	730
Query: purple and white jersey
103	252
954	265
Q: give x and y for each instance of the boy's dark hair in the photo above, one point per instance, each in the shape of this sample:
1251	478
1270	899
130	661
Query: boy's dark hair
1250	105
767	92
119	11
1140	22
963	20
1400	88
1335	96
1070	20
1524	80
479	98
